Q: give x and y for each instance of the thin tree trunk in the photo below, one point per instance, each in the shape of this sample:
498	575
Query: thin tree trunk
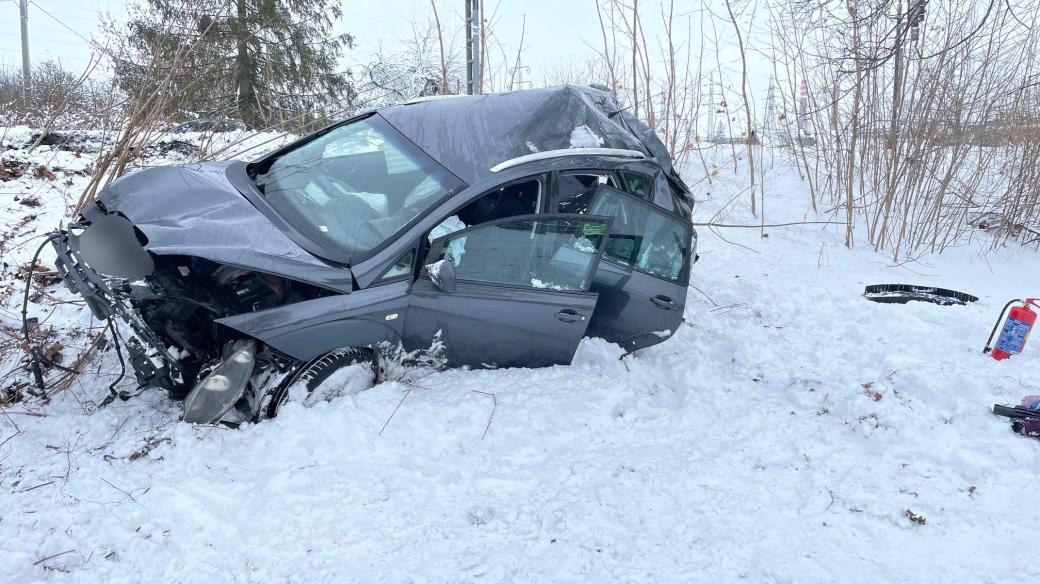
244	75
747	104
608	52
635	57
440	42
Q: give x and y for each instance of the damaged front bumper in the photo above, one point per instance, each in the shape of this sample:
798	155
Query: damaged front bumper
103	242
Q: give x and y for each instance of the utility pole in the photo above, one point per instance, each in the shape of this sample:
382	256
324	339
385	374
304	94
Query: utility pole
911	27
473	72
23	8
916	16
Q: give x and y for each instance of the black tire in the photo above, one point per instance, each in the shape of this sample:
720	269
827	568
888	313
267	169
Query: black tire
317	371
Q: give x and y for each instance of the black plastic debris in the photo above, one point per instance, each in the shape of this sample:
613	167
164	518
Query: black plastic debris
903	293
1024	420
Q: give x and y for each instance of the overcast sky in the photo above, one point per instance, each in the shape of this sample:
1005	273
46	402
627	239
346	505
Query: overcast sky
60	29
62	37
554	31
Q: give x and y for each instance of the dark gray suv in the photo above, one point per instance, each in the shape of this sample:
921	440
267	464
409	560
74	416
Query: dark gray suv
480	231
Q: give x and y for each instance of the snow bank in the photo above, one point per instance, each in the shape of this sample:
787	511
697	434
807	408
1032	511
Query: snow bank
781	435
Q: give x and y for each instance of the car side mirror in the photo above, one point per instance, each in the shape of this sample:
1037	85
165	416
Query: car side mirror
442	273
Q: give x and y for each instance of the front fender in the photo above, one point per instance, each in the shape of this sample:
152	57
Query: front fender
306	330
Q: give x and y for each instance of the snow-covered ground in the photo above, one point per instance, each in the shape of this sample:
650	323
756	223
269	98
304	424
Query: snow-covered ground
784	434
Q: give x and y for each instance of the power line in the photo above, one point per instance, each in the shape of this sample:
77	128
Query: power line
59	21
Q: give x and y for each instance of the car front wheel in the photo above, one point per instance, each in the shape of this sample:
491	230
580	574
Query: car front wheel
336	373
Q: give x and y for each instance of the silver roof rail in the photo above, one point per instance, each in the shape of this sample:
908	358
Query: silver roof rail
566	152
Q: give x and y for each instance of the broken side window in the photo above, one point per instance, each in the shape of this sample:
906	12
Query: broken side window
521	197
575	189
643	236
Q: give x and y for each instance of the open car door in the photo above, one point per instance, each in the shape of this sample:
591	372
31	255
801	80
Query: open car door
643	278
508	293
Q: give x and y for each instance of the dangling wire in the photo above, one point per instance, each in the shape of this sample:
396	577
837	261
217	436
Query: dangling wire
37	357
112	393
34	353
119	353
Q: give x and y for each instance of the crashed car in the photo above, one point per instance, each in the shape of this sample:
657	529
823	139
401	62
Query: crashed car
493	230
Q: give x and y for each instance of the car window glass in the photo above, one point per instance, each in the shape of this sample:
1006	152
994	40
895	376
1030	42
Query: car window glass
355	186
642	236
517	198
403	266
555	253
574	190
639	185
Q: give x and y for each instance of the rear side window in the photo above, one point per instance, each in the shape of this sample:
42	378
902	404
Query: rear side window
551	252
639	185
643	236
574	190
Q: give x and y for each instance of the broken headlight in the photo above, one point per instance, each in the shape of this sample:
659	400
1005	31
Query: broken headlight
218	391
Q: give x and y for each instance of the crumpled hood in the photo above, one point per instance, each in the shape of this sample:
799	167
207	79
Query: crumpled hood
194	210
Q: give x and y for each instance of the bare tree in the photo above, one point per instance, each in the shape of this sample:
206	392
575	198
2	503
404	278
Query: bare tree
744	94
914	114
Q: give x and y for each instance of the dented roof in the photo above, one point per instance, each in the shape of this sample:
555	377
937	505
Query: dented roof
470	134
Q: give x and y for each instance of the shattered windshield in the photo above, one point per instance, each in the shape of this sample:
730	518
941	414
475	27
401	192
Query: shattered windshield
355	187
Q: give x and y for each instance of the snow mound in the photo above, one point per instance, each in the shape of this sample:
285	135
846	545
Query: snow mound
790	431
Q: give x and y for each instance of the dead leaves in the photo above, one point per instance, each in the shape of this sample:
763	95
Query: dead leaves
11	170
149	445
42	275
30	201
53	353
42	171
871	418
914	517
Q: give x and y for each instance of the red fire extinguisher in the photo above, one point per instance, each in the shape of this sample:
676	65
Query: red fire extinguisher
1017	325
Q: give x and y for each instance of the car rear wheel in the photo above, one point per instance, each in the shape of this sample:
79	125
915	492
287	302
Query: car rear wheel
340	372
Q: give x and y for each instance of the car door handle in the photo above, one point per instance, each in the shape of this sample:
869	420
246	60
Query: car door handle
664	302
569	315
